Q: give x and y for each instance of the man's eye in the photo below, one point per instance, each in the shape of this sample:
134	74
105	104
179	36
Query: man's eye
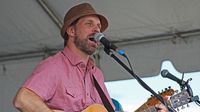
89	24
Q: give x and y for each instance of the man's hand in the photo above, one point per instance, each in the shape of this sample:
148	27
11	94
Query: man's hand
161	108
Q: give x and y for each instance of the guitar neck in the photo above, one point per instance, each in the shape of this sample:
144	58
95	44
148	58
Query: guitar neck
175	101
146	108
150	109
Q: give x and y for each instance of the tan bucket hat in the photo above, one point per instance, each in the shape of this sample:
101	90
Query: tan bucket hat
78	11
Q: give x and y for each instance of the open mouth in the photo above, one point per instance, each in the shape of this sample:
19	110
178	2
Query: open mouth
91	38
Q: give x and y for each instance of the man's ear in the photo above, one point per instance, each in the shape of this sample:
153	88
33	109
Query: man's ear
71	31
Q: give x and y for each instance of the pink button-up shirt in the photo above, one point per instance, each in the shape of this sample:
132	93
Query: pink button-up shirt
64	82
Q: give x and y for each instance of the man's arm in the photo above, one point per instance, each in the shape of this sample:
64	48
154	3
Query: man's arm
27	101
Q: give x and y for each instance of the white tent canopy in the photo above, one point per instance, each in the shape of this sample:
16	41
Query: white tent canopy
151	31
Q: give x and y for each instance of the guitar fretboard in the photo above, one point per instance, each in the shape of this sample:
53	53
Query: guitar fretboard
146	108
152	109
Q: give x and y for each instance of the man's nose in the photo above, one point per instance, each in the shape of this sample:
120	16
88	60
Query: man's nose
96	29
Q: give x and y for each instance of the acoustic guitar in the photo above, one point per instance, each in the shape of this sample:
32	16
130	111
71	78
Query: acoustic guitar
175	101
91	108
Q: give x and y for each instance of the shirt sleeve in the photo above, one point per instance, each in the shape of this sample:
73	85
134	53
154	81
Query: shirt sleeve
43	80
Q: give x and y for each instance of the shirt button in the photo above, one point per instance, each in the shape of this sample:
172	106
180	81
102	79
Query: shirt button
87	94
82	65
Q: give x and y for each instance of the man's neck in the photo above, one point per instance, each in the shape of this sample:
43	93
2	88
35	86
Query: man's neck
83	56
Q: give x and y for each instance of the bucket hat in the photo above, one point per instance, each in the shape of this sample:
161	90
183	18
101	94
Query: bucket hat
79	11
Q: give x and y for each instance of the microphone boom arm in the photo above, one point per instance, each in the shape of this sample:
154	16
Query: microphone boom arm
141	82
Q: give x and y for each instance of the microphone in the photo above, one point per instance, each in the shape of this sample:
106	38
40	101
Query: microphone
165	73
99	37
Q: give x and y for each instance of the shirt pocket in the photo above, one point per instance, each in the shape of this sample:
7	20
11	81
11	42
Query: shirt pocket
73	99
73	92
72	89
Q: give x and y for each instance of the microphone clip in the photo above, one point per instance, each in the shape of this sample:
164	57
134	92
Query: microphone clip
108	51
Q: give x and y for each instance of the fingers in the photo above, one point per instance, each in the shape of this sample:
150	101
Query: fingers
161	108
166	98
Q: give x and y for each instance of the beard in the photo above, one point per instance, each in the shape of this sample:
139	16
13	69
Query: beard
83	45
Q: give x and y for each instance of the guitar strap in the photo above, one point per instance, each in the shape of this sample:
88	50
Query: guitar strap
104	99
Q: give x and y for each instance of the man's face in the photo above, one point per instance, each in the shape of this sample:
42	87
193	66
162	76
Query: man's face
85	29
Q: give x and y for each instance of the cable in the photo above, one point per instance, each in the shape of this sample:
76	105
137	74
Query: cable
128	62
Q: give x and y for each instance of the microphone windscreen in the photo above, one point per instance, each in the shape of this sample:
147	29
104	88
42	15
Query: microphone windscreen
164	73
98	36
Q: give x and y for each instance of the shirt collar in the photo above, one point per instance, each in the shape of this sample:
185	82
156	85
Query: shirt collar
74	59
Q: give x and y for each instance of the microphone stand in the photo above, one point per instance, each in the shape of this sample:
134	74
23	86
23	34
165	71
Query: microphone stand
141	82
185	85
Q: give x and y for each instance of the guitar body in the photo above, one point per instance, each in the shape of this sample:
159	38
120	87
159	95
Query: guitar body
95	108
91	108
58	110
